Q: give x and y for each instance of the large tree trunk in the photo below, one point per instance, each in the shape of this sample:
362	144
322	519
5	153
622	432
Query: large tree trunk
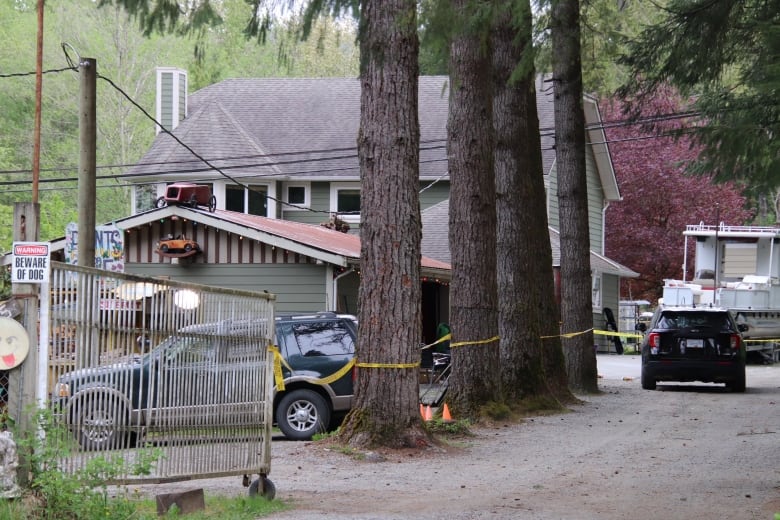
386	408
576	296
472	223
530	366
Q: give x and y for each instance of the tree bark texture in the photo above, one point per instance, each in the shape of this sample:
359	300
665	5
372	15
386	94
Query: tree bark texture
530	365
472	222
386	409
576	295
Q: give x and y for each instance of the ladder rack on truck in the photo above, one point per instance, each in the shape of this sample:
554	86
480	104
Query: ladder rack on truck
738	268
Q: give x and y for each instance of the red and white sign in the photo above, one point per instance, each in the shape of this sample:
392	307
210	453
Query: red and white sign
31	262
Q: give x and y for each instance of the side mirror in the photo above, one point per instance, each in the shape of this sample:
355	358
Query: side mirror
743	327
641	327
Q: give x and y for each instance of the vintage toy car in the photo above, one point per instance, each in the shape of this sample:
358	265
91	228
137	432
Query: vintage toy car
177	245
188	194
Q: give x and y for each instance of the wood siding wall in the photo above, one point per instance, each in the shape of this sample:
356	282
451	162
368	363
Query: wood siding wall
298	288
218	247
595	202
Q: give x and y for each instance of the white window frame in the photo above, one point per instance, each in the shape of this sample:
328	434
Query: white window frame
596	290
270	190
306	204
334	199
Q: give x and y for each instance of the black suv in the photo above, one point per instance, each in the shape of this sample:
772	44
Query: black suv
207	374
694	344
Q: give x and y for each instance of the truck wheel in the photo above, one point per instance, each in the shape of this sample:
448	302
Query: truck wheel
100	422
212	204
738	383
301	414
648	383
161	202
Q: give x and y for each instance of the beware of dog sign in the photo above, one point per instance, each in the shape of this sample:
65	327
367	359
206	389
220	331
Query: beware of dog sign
31	262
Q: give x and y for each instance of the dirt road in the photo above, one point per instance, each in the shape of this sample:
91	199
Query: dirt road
693	451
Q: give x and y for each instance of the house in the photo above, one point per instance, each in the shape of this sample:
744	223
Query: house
606	273
285	148
308	267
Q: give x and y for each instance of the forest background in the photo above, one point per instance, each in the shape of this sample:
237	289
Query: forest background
650	160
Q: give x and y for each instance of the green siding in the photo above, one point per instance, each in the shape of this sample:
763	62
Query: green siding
610	287
595	202
182	95
319	204
166	100
553	212
298	287
433	193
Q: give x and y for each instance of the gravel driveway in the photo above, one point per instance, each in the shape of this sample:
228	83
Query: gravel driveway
682	451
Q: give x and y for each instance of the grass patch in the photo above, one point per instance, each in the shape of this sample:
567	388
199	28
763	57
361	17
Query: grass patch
218	507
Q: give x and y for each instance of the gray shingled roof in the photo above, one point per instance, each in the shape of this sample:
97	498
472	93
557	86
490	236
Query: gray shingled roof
309	125
435	243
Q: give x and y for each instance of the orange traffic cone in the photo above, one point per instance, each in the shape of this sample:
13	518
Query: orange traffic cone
428	416
445	414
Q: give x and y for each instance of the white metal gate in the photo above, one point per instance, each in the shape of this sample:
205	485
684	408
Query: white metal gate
156	370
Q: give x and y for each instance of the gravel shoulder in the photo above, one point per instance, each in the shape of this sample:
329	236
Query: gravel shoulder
682	451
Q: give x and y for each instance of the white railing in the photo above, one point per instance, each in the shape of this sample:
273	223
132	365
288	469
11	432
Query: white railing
723	228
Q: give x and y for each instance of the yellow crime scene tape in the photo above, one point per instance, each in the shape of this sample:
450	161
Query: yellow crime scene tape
769	340
596	332
279	361
618	334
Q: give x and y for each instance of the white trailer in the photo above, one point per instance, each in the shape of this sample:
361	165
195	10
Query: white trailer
737	267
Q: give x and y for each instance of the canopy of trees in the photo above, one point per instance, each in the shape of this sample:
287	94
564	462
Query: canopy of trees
725	53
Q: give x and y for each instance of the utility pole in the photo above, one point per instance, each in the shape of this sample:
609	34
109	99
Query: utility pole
86	352
36	161
22	379
87	167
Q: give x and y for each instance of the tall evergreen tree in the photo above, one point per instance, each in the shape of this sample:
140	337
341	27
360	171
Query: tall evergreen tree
576	303
472	220
527	309
386	410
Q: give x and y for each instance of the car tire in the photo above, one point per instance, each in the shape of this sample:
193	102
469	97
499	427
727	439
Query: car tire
164	248
268	491
301	414
100	422
738	383
648	383
188	248
161	202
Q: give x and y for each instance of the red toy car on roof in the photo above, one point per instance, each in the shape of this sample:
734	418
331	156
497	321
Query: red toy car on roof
188	194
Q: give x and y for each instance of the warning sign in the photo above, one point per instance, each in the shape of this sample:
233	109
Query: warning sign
31	262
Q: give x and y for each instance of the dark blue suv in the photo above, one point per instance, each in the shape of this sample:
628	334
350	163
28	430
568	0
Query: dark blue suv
209	375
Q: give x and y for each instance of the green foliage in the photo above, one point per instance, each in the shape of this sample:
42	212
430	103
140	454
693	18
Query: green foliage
125	56
496	411
82	494
725	53
606	28
85	495
442	427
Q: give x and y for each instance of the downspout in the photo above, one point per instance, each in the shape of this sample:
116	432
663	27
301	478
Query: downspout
335	282
604	228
